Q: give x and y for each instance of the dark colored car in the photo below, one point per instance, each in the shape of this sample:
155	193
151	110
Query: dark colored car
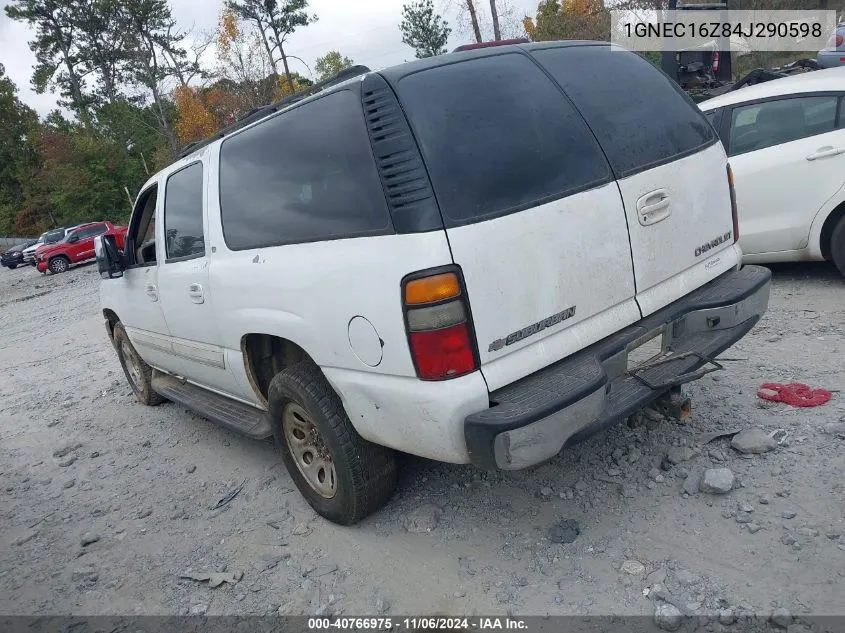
13	257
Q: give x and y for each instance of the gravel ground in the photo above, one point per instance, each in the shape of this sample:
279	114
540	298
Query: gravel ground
107	504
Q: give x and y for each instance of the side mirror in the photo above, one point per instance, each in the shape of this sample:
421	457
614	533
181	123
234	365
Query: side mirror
109	260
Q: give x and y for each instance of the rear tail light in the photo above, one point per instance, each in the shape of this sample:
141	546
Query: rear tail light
438	323
835	41
733	203
715	66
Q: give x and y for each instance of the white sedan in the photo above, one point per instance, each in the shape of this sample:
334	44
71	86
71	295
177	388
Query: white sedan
786	145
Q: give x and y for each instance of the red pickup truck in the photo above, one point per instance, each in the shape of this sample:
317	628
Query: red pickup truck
78	246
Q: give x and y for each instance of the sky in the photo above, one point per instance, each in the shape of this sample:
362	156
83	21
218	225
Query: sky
367	31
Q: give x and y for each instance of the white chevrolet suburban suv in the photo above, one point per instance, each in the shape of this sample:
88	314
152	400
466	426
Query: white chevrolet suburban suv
481	257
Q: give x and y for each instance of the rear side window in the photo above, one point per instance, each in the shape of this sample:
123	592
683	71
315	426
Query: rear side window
498	136
303	176
779	121
639	116
183	216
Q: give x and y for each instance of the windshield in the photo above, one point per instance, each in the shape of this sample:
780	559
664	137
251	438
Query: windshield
53	237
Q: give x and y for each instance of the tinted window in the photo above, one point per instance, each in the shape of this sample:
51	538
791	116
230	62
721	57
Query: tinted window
183	213
498	136
92	231
305	175
771	123
142	233
639	115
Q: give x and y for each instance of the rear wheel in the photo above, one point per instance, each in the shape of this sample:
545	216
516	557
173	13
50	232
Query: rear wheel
837	245
59	264
341	475
13	266
139	375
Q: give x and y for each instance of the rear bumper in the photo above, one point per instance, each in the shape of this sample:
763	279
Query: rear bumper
532	419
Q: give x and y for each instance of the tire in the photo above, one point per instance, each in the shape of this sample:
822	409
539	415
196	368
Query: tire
12	266
359	476
58	264
837	245
138	374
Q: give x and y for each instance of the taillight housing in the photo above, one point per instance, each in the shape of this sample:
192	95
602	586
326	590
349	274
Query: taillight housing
733	203
439	324
835	41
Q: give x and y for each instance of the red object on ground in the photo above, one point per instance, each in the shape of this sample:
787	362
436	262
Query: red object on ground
795	394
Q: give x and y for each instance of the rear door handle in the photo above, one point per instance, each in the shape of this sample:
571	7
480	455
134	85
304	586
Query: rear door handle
196	294
826	152
653	207
152	292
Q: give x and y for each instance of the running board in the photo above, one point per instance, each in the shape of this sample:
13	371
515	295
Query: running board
224	411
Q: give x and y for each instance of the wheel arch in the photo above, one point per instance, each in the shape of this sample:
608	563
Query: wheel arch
111	320
827	227
265	355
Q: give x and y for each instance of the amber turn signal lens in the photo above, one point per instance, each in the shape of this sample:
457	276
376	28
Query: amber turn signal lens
434	288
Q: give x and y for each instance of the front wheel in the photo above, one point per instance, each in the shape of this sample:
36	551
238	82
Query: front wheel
138	373
341	475
13	266
58	265
837	245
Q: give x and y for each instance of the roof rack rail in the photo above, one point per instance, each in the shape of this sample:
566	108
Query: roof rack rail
260	112
470	47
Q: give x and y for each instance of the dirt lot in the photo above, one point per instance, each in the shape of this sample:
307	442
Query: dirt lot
106	503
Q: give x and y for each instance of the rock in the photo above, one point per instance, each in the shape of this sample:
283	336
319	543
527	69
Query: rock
269	561
634	454
66	449
781	617
741	517
686	578
143	514
199	609
744	506
786	539
788	514
660	479
679	454
546	491
726	617
424	519
633	567
654	416
717	481
301	529
618	456
834	428
667	617
190	468
764	500
808	531
460	594
565	531
504	597
653	473
85	574
382	605
89	538
665	465
70	483
25	538
833	534
692	483
581	485
67	462
754	527
753	441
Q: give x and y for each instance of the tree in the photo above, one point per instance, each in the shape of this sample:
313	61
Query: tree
18	153
331	64
424	30
56	48
574	19
497	32
275	20
473	16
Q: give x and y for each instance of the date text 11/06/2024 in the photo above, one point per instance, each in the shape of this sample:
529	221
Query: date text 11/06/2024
418	624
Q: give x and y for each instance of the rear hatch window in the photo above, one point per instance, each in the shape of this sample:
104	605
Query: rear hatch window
498	136
640	117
